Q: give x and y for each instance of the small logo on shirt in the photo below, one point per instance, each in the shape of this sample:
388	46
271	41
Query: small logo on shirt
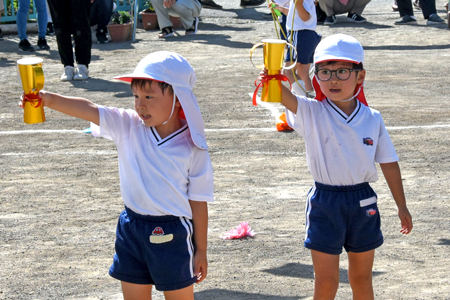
158	236
371	212
368	141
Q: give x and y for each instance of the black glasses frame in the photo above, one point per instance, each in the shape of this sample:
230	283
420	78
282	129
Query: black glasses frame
336	73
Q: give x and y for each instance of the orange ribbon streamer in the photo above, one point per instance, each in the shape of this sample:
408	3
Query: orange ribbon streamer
266	78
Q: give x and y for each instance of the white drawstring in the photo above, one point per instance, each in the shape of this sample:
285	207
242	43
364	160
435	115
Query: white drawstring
354	96
173	108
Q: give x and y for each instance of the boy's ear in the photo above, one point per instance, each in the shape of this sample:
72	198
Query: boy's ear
361	76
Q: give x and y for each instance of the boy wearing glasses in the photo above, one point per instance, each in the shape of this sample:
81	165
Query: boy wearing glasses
344	138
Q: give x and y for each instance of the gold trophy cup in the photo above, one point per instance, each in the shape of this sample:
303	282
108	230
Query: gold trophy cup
273	53
32	78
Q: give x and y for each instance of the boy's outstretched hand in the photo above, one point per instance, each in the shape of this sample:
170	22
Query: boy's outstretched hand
406	220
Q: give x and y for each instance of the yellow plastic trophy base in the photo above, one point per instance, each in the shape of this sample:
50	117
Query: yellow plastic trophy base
33	115
271	91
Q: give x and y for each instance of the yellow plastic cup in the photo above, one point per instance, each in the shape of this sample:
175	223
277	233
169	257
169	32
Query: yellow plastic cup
32	79
273	54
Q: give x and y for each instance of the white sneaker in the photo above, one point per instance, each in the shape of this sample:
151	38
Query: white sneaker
68	73
81	73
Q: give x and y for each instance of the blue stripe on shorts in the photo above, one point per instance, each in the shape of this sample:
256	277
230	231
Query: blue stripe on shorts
155	250
342	216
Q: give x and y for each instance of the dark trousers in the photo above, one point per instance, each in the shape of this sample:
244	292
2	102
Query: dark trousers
72	17
405	7
101	11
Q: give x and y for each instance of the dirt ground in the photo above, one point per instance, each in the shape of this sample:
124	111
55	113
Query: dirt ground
59	189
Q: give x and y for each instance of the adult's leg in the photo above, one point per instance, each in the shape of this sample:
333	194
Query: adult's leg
81	10
133	291
428	7
41	8
327	6
358	6
22	17
360	274
162	13
61	16
100	14
187	10
405	8
326	279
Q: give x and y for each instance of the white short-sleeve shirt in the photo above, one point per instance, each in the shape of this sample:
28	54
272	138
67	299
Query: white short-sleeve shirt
299	24
157	176
341	149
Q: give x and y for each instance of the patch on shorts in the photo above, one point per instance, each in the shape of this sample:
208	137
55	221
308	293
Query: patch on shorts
371	212
158	236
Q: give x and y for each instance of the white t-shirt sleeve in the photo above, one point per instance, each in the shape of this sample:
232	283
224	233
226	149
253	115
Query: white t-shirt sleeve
114	123
201	184
385	152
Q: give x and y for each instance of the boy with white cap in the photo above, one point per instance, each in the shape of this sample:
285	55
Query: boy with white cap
165	175
344	138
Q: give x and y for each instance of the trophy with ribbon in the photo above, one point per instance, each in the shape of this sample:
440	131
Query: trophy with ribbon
273	54
32	78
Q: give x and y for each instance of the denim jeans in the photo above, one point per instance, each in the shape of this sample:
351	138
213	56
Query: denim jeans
22	17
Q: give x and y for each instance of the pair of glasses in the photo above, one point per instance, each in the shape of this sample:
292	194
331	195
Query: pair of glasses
341	74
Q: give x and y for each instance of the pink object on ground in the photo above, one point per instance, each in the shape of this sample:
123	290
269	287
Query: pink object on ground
241	231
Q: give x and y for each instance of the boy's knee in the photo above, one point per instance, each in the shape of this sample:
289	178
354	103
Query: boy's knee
327	282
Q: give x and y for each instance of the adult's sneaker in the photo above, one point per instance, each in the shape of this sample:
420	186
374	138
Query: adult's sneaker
330	20
434	19
42	44
406	20
81	73
24	45
252	3
101	36
210	4
68	73
353	17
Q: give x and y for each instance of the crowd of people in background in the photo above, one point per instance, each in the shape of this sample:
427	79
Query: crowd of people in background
72	20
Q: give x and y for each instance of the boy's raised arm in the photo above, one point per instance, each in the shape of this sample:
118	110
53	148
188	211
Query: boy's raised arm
73	106
288	99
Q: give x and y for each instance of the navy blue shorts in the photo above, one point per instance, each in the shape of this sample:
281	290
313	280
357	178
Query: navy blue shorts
154	250
305	42
342	216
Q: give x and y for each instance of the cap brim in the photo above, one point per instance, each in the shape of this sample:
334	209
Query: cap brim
131	76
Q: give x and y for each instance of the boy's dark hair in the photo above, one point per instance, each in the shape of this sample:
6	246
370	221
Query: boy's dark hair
143	83
332	62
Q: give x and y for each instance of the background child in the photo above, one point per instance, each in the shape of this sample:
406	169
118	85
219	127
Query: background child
344	138
304	38
165	177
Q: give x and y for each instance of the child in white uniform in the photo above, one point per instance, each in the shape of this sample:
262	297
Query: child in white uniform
344	138
301	24
165	177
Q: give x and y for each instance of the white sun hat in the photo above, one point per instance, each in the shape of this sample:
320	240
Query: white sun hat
339	47
172	68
